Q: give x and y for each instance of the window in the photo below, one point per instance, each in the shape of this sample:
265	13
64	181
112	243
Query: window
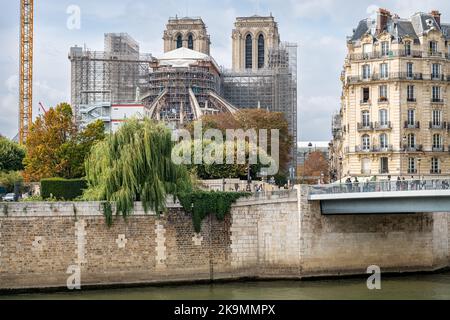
411	140
365	119
366	71
384	71
436	71
433	47
437	141
410	91
409	70
408	48
261	51
411	117
435	166
367	50
384	48
384	165
365	166
383	93
191	42
179	41
436	117
248	52
366	95
366	143
412	165
383	141
383	117
436	94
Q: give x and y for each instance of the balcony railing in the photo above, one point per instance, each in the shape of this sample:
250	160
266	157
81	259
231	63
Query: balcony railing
391	54
397	76
435	100
366	102
383	126
378	149
438	149
411	100
438	126
415	125
365	126
416	148
438	77
383	100
435	171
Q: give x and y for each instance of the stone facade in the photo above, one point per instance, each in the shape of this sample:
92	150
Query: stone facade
42	243
253	27
188	33
395	106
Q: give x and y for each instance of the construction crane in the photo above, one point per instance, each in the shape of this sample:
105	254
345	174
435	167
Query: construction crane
26	69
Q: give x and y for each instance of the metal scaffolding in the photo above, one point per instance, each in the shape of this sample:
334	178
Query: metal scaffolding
273	88
116	75
183	91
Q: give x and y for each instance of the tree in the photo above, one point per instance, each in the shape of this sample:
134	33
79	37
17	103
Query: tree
55	146
11	155
316	166
9	179
135	164
257	119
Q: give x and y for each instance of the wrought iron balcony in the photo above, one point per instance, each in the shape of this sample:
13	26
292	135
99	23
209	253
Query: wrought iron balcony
415	125
436	100
438	149
383	100
411	100
437	77
434	171
386	148
438	126
383	126
415	148
365	126
391	54
362	148
366	102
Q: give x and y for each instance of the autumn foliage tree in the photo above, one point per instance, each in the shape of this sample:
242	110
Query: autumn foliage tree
55	146
257	119
315	166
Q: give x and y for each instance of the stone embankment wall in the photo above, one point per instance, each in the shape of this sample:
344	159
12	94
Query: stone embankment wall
268	238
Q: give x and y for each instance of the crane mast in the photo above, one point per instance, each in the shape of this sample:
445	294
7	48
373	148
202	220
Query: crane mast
26	69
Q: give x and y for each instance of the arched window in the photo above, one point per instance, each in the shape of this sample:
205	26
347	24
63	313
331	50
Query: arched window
191	42
366	142
179	41
261	51
248	52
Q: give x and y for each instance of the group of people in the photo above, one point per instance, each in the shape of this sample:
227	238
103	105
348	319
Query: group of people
400	184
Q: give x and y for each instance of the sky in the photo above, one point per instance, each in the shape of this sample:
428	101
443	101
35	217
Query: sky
320	28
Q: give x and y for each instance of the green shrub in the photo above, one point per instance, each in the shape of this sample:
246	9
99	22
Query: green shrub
62	189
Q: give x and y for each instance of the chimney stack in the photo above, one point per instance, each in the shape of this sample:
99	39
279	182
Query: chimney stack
382	19
437	16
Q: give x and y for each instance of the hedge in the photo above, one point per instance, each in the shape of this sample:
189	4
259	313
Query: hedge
62	189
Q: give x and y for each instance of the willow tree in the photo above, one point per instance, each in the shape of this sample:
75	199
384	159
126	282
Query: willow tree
134	164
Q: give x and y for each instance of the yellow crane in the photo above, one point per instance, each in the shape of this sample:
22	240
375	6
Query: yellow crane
26	69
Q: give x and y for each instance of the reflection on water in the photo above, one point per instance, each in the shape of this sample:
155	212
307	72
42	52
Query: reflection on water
433	286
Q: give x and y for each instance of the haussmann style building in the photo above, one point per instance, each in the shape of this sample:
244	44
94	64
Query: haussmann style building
395	117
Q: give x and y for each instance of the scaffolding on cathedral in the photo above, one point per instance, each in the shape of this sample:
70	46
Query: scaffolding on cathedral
102	78
184	85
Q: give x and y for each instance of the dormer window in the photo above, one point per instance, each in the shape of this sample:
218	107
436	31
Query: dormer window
385	48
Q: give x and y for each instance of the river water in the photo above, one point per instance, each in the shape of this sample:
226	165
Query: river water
421	287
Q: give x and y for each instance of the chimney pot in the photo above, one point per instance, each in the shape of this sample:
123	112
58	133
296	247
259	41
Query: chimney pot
437	16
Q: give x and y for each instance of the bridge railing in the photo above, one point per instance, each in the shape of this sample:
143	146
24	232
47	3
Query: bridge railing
380	186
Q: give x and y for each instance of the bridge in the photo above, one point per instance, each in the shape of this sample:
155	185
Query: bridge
413	196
